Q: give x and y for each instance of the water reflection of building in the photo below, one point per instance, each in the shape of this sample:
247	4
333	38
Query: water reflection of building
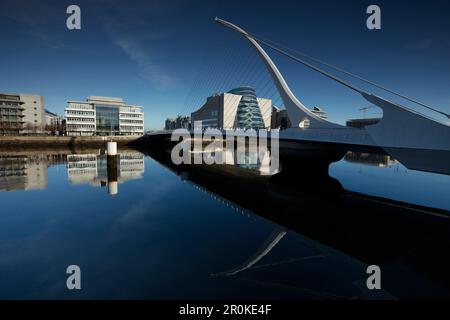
252	158
98	170
19	172
378	160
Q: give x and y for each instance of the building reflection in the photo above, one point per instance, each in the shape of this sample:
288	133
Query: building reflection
20	172
371	159
304	198
249	158
28	170
100	170
255	158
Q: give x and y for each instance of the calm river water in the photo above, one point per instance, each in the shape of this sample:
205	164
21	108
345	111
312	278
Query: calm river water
148	229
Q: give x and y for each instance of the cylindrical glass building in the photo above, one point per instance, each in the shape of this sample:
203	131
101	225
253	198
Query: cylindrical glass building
248	115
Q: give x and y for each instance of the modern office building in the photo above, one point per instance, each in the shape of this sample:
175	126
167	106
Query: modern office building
11	114
104	116
21	113
280	119
54	124
237	108
183	122
52	119
34	111
170	124
179	122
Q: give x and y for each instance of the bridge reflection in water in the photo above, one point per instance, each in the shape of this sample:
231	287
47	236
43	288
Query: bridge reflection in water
399	237
316	229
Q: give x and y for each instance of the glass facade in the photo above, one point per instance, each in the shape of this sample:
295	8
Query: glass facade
248	115
107	119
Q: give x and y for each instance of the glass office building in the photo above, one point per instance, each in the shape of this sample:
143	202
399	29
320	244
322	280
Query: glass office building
103	116
238	108
248	115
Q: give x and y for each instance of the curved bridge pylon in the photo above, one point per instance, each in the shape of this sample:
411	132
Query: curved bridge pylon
422	133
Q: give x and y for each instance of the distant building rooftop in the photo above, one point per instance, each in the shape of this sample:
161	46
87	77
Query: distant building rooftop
9	97
51	113
96	100
105	99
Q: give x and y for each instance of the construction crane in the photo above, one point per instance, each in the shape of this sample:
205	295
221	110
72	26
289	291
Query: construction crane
364	110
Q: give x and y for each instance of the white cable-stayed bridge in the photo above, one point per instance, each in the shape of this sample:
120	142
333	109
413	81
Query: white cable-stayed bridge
416	139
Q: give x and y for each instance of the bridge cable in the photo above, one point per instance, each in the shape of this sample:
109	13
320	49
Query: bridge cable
275	46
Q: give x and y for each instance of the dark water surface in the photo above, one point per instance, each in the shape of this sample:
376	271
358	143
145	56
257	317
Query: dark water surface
148	229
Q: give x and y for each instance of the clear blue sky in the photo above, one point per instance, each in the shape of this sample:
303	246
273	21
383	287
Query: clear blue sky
154	53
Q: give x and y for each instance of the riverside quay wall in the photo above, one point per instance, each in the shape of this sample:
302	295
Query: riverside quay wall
33	142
